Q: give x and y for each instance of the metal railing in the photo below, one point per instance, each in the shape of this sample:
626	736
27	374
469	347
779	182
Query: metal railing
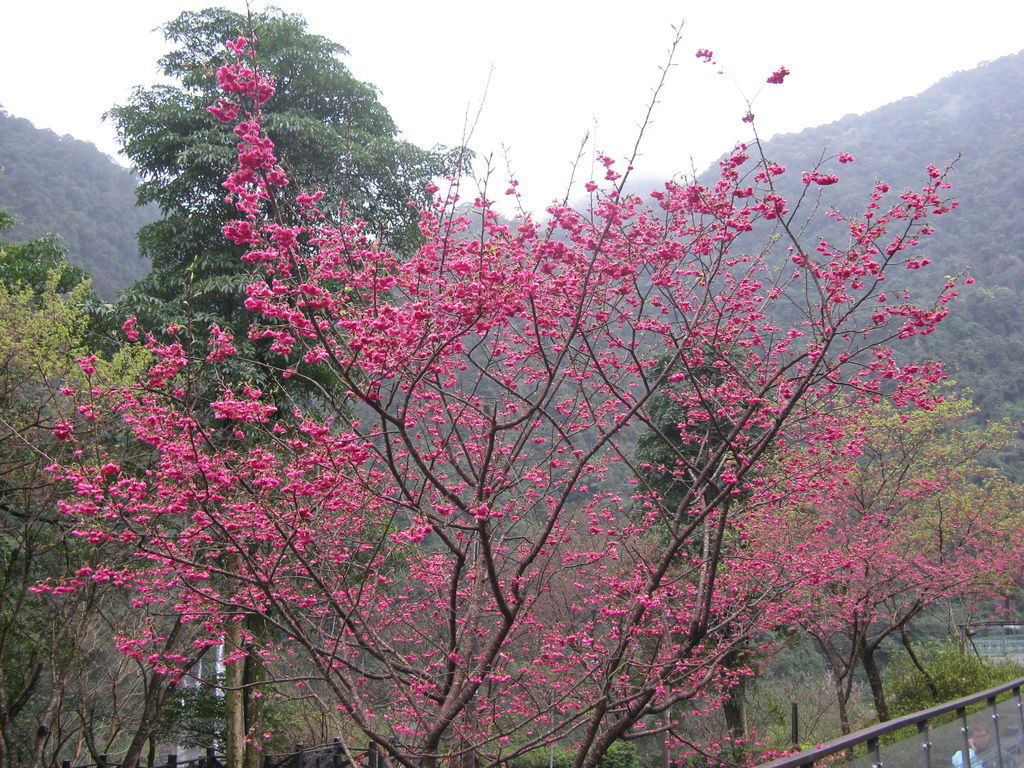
990	738
331	755
996	639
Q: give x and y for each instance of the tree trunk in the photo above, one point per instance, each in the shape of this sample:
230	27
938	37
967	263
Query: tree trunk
241	677
253	672
842	698
734	710
234	702
153	704
928	681
867	660
8	756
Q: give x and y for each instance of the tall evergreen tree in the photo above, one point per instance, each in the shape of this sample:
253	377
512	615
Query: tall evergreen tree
329	128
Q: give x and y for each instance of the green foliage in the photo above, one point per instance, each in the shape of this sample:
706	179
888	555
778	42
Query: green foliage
54	184
542	757
50	649
37	264
194	717
621	754
952	673
669	456
980	341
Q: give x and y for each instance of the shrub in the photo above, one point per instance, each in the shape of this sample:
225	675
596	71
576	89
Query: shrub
621	754
954	673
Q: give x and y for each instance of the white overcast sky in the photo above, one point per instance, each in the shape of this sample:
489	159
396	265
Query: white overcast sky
559	69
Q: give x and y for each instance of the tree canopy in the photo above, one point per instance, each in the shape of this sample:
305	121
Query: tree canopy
38	265
565	480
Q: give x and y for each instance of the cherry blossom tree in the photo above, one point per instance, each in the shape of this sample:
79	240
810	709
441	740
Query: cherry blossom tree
901	514
466	561
65	691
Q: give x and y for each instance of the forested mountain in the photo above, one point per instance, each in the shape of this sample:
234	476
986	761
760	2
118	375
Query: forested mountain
52	183
58	184
975	118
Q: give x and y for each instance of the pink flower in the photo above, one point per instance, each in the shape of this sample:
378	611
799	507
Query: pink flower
821	179
86	364
128	327
63	430
221	347
778	76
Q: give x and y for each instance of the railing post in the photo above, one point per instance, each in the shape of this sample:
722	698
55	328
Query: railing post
1020	710
924	729
211	758
373	757
172	760
979	734
101	761
300	758
965	743
794	724
875	752
268	761
995	728
65	764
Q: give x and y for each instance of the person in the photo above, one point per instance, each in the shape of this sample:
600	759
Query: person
983	753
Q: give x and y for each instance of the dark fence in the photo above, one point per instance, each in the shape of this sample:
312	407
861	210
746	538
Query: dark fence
985	730
327	756
210	760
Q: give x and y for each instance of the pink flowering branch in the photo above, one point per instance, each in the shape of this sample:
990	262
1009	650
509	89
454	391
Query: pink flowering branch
466	556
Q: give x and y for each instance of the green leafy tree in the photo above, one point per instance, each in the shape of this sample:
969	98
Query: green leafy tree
332	134
330	129
675	448
36	264
676	451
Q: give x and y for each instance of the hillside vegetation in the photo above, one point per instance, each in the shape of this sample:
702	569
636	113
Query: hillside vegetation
974	119
57	184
